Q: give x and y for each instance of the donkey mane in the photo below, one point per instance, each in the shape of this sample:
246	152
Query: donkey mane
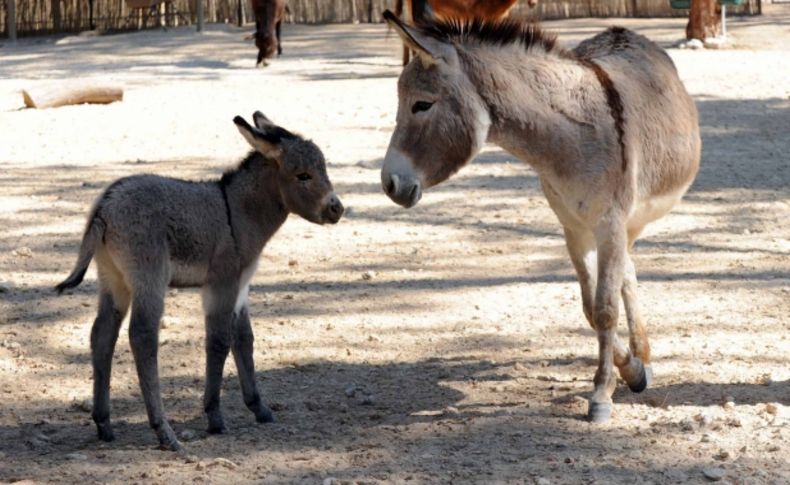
494	32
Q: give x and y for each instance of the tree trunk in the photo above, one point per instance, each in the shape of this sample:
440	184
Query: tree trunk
704	21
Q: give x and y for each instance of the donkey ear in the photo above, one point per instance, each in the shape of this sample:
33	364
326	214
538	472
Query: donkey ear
427	48
261	121
266	145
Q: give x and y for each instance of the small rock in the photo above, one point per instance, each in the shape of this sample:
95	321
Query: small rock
329	481
367	401
23	252
542	481
722	455
293	262
168	322
714	474
187	435
368	275
84	405
729	403
706	438
201	465
695	44
5	287
225	462
715	43
771	408
734	422
312	405
686	425
351	390
76	456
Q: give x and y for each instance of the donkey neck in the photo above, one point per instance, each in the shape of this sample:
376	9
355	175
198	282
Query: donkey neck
255	206
540	103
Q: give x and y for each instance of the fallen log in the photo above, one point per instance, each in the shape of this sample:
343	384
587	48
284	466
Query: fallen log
63	95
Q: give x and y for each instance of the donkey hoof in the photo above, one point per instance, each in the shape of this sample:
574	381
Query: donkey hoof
104	431
644	380
217	429
264	415
171	445
599	412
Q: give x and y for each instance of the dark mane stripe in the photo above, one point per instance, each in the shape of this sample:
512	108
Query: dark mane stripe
499	32
615	103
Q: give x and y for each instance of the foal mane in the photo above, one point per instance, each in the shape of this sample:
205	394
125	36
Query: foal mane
493	32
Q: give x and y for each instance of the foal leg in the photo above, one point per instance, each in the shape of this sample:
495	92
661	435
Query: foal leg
611	240
218	302
242	354
113	305
147	307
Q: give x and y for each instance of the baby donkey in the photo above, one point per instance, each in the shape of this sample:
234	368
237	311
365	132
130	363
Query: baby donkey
148	232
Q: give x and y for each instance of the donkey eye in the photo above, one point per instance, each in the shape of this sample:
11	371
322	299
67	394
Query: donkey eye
304	177
421	106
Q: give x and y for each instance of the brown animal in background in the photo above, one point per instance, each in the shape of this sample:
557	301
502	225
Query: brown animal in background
417	11
608	127
269	14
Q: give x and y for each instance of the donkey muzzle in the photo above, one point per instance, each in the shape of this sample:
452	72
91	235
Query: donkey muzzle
333	210
403	190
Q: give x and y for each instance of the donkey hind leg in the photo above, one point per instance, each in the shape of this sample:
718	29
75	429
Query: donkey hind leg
610	236
147	307
218	302
113	305
242	354
639	368
279	44
581	248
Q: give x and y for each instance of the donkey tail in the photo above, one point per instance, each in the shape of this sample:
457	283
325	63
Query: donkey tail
94	233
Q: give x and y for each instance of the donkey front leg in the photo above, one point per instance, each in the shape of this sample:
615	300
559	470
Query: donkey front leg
242	354
611	240
277	32
218	302
147	310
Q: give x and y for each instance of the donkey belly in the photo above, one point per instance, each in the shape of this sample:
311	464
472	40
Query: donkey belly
187	274
651	208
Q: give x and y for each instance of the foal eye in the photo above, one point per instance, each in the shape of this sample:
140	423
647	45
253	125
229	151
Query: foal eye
421	106
303	177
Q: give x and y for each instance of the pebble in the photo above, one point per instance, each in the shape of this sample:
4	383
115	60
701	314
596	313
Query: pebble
5	287
714	474
694	44
329	481
706	438
367	401
24	252
351	390
542	481
729	403
225	462
187	435
312	405
76	456
771	408
368	275
85	405
293	262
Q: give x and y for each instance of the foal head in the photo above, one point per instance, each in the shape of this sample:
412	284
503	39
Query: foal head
301	169
442	122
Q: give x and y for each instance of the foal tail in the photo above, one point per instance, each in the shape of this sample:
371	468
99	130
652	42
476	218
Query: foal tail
94	233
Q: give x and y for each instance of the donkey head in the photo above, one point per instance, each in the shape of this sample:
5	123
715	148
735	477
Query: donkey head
266	42
301	170
441	123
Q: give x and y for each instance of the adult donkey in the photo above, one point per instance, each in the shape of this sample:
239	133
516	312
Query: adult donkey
608	127
269	15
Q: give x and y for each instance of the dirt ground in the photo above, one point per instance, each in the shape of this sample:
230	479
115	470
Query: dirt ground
444	344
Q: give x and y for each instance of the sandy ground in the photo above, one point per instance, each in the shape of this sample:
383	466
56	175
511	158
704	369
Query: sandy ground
441	344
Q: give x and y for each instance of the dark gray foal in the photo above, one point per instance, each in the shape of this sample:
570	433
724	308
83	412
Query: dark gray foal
148	232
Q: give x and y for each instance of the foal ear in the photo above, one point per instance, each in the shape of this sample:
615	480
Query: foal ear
429	50
261	121
266	145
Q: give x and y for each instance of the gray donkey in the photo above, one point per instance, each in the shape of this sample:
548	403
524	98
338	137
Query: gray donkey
608	127
148	232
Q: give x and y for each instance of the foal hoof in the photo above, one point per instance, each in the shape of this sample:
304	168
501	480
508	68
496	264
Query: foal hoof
599	412
264	415
644	381
171	445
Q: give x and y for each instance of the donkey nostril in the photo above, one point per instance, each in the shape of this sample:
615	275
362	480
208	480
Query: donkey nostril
390	186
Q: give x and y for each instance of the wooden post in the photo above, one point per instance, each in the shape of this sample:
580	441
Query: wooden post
240	13
199	15
11	19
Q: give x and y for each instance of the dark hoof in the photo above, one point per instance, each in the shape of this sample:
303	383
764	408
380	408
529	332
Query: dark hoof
264	415
105	432
599	412
171	445
644	380
217	429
